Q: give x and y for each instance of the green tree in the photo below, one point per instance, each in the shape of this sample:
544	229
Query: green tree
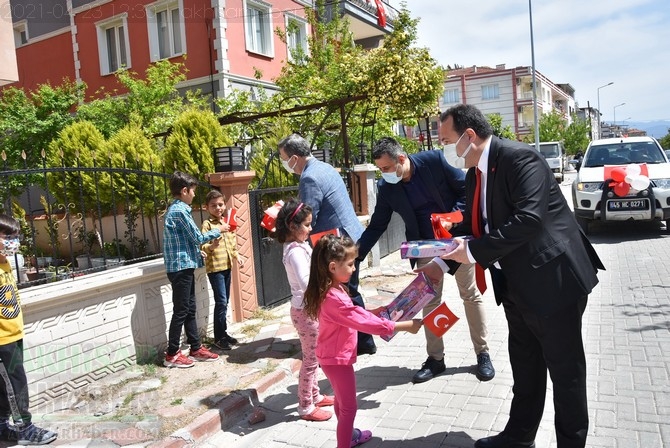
189	147
552	126
79	144
498	129
576	136
665	140
154	99
30	120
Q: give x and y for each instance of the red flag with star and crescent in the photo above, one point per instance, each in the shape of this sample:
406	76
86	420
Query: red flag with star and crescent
440	320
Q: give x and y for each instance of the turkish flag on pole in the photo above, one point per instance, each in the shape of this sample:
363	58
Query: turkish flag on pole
440	320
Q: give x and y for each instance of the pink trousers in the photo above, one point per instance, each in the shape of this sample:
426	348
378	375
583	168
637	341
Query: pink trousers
343	380
308	384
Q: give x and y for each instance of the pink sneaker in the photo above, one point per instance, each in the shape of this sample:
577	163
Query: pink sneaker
327	400
203	355
177	360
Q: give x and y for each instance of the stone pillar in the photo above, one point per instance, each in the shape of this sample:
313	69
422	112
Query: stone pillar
367	182
366	174
243	296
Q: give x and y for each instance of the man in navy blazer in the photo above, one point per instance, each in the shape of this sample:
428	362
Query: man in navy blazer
542	267
416	186
322	188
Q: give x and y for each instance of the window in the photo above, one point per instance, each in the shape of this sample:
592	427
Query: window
20	33
490	92
113	44
296	38
451	96
166	29
258	27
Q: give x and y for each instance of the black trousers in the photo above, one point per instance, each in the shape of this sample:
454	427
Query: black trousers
11	356
183	311
538	344
364	340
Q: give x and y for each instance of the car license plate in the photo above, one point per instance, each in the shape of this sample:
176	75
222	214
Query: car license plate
629	204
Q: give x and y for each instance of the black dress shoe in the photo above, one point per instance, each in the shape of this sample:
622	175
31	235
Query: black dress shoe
430	369
485	370
502	441
370	350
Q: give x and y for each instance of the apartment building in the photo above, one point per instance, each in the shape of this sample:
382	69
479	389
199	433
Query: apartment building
224	44
503	91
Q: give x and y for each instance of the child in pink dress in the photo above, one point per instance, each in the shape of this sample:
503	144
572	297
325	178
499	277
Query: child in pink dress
327	298
293	225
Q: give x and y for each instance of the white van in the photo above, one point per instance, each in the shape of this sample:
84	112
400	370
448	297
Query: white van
554	154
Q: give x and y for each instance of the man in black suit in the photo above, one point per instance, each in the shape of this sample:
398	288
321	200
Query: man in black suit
542	268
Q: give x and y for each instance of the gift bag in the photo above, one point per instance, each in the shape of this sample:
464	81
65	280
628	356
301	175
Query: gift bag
270	216
438	221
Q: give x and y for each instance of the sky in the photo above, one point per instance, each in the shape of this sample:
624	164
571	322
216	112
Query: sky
585	43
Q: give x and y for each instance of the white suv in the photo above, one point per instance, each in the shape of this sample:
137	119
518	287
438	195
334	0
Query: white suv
601	191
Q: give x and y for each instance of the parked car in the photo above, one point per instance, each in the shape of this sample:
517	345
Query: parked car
554	154
622	179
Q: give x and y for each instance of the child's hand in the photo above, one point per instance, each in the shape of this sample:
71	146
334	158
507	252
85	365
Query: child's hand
203	254
411	326
224	227
416	326
240	260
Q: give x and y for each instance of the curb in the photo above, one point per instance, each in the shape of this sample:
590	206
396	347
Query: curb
229	410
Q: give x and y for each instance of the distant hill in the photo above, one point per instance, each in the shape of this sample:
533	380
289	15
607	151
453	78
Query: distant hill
656	129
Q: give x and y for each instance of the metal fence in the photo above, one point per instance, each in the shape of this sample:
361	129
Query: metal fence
80	220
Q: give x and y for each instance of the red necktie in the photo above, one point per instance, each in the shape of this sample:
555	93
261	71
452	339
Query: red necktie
477	228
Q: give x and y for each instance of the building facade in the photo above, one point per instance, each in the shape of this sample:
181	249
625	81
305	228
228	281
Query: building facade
507	92
224	44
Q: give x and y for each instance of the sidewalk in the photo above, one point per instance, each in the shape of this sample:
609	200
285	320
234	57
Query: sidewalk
159	407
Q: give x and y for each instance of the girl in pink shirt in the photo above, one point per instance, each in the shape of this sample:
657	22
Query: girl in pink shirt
328	299
294	222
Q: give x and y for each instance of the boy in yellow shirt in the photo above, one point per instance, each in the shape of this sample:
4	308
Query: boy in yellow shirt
14	399
220	254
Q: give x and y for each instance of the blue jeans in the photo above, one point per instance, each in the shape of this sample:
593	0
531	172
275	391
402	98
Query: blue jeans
220	282
183	311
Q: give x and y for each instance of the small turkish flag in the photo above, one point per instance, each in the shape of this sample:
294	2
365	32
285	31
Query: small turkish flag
440	320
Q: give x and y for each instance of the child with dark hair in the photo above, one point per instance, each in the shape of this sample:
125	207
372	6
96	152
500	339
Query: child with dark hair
181	251
327	298
293	225
14	399
221	253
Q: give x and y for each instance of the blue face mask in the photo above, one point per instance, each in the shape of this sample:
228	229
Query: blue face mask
392	178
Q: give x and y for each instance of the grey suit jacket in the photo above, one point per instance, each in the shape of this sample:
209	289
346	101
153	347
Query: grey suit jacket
322	188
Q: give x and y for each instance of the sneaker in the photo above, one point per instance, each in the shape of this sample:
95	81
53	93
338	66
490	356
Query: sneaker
360	437
485	370
177	360
317	415
327	400
203	355
229	339
32	435
222	344
7	432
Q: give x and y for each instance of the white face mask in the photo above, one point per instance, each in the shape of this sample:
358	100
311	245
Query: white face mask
10	246
393	178
452	156
287	167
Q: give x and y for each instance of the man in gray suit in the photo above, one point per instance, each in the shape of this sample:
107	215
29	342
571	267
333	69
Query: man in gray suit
322	188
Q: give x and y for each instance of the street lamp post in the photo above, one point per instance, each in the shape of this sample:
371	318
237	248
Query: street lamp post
532	57
618	105
599	114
